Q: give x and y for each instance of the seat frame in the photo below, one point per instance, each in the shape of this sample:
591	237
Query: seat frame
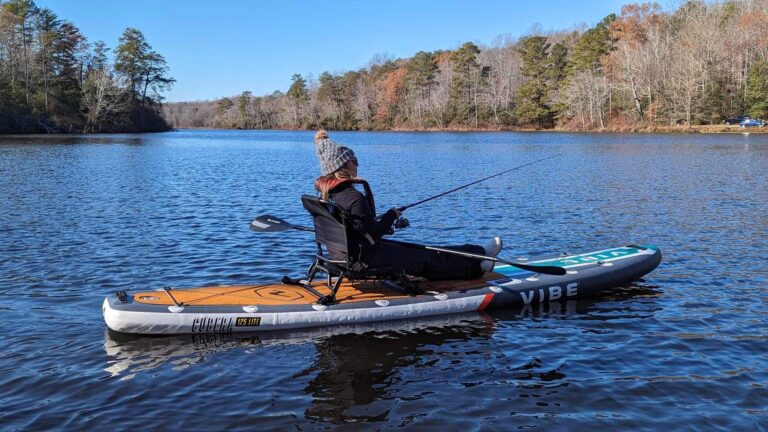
333	229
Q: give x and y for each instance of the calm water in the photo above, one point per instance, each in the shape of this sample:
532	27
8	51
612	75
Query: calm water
687	348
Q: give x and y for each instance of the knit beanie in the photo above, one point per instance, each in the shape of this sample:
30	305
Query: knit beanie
332	156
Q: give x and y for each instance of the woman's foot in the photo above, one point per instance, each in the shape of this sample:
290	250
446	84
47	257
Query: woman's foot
491	249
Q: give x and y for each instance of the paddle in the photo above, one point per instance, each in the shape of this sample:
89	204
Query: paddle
550	270
269	223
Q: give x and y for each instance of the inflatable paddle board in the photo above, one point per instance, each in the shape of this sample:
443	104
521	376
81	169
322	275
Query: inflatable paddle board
276	306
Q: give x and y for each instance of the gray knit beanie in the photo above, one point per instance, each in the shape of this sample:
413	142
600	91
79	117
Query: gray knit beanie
332	156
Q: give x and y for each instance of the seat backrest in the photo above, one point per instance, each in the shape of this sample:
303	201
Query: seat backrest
330	230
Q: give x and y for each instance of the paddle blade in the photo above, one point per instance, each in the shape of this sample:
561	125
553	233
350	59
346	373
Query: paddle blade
269	223
550	270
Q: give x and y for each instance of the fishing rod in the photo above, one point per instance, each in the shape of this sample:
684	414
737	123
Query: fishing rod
403	208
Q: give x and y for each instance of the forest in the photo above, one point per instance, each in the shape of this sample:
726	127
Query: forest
642	67
53	80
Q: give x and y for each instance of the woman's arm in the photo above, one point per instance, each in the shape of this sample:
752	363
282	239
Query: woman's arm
363	217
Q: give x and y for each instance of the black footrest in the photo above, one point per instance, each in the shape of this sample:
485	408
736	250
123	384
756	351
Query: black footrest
291	281
326	300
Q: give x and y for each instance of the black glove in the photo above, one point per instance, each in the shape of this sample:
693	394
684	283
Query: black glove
389	218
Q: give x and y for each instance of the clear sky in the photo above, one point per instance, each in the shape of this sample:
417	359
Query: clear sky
221	48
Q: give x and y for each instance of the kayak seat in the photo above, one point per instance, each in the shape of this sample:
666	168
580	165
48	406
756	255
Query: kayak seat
337	248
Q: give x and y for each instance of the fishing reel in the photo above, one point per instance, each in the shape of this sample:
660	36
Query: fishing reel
401	223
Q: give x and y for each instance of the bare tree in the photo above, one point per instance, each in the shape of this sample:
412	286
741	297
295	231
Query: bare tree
440	96
103	98
503	61
586	97
363	105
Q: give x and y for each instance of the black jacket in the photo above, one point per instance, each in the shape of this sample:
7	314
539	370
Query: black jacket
370	249
362	216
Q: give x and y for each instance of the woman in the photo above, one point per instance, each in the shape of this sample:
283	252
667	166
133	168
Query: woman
339	167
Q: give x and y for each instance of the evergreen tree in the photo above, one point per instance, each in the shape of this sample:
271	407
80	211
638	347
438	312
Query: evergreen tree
298	90
555	75
531	98
146	73
330	91
591	46
298	94
245	120
223	105
99	60
68	69
465	83
712	105
130	58
558	60
421	70
145	69
420	75
757	90
48	27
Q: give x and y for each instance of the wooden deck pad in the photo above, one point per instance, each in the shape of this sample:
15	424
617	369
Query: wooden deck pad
279	294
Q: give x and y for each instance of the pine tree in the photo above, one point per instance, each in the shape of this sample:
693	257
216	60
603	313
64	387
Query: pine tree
531	98
420	75
245	120
99	60
757	90
712	105
466	81
68	45
591	46
556	73
298	94
130	58
421	70
145	69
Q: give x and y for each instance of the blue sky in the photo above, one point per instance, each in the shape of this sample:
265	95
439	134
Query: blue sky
221	48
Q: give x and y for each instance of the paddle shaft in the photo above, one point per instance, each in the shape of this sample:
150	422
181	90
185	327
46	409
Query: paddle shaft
474	183
278	225
552	270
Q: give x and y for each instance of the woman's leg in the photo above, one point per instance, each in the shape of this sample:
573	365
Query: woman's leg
426	263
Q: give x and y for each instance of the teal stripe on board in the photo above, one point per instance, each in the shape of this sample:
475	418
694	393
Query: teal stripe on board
591	257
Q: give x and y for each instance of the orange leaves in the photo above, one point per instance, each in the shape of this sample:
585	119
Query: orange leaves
753	23
443	57
634	21
389	94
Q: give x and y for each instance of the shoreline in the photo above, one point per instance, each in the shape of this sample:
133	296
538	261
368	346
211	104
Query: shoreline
703	129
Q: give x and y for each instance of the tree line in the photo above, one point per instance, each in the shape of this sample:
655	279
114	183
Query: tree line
52	79
698	64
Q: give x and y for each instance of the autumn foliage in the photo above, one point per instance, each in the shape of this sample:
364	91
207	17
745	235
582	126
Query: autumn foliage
642	67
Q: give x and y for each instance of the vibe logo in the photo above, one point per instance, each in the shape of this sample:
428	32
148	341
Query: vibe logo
555	292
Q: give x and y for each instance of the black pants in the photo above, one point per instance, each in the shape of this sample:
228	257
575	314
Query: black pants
428	264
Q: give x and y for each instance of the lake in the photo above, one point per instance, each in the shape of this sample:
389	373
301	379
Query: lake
684	348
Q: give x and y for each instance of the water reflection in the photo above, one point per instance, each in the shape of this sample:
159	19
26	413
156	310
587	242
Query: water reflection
46	140
129	354
361	373
610	305
355	371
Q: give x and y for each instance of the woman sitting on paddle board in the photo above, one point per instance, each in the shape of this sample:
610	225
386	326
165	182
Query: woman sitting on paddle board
339	167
